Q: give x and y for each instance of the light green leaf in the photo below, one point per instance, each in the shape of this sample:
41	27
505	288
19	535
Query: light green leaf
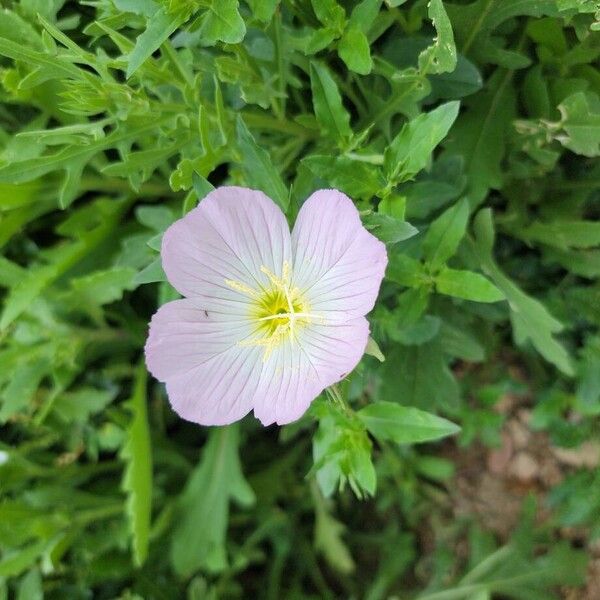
222	22
389	229
467	285
388	421
581	123
445	234
258	169
373	349
354	50
405	270
410	151
364	14
356	178
13	563
30	587
327	102
158	29
137	479
263	10
205	500
77	406
152	273
329	13
103	287
440	57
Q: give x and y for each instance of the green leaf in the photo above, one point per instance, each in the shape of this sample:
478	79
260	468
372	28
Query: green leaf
530	318
158	29
389	229
440	57
475	25
202	187
327	102
445	234
480	135
152	273
30	587
354	50
77	406
221	22
137	479
15	562
329	13
564	234
388	421
356	178
263	10
364	14
581	123
103	286
258	169
467	285
373	349
410	151
215	481
419	376
328	537
342	452
405	270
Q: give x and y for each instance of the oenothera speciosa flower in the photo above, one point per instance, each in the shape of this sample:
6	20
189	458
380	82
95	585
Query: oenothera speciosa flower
269	319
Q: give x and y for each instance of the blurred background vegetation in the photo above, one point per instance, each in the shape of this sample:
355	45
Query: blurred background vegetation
476	122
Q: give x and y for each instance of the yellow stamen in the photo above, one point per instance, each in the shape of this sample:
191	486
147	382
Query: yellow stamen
278	310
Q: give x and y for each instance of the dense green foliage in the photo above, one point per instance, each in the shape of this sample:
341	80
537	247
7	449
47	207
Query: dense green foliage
466	134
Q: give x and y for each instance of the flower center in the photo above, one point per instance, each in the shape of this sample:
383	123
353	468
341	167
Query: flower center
277	311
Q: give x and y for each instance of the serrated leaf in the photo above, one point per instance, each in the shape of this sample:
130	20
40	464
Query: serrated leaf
137	478
221	22
355	178
216	481
530	318
158	29
388	421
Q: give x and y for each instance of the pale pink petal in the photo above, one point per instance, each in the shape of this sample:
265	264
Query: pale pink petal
338	264
210	378
230	235
296	372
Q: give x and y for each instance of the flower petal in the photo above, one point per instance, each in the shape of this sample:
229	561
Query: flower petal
210	378
229	236
297	372
338	264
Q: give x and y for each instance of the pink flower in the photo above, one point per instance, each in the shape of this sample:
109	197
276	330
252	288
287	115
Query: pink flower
269	319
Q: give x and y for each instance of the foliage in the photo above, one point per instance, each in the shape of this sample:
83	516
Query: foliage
467	132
